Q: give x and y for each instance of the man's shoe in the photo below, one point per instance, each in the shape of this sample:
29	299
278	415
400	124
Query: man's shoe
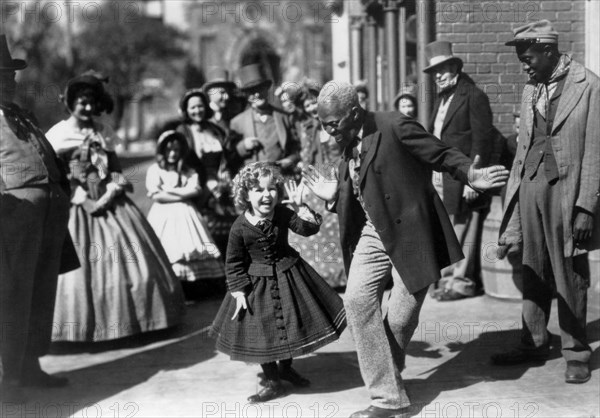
273	389
292	376
42	379
377	412
520	356
577	372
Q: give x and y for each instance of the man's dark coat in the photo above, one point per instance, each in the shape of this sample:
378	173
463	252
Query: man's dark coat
395	182
467	126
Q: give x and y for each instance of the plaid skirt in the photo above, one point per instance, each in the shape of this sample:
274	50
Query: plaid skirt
219	227
289	315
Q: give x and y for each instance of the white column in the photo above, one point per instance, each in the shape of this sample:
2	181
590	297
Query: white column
340	46
592	35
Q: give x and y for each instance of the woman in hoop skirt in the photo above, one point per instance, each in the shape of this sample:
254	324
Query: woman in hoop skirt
125	284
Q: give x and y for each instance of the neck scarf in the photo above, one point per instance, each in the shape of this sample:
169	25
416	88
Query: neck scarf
92	151
545	90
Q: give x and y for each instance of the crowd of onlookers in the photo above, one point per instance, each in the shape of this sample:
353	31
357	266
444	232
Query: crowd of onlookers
80	262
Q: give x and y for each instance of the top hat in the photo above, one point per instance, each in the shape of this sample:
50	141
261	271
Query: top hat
7	63
94	81
218	77
438	53
540	32
251	77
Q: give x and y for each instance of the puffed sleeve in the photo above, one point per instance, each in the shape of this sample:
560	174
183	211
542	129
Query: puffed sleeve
237	261
306	222
153	180
192	180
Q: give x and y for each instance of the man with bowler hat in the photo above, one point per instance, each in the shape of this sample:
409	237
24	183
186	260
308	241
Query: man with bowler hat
265	132
461	118
34	210
551	210
218	89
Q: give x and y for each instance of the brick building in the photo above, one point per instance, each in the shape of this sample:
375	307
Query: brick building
478	31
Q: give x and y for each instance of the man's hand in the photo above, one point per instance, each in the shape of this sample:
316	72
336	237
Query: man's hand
582	227
320	185
482	179
509	244
240	303
251	143
469	194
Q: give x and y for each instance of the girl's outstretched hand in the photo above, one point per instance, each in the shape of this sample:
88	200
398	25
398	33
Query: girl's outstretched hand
240	303
294	192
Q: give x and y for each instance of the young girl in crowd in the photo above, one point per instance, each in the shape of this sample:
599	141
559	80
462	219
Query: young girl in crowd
183	232
277	307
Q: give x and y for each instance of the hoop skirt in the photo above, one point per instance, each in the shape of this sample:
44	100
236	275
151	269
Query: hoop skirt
125	284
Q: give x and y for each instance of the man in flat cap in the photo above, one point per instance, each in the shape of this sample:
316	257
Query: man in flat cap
551	208
34	210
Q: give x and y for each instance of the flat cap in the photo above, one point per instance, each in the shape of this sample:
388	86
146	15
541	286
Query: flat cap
540	32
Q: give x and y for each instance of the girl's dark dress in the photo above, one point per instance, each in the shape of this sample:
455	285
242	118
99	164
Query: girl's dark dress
291	309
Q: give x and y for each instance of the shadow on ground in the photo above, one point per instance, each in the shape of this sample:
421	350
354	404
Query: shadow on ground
471	366
142	358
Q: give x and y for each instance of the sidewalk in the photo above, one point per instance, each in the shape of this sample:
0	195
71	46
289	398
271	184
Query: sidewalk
178	373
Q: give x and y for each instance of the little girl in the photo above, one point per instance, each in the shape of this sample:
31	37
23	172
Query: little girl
179	226
278	306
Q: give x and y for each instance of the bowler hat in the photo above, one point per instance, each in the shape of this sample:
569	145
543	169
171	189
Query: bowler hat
312	86
438	53
218	77
252	77
7	63
408	90
540	32
293	90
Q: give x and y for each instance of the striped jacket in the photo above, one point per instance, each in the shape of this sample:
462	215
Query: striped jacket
576	145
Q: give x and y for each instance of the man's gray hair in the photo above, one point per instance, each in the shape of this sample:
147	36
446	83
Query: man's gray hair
339	94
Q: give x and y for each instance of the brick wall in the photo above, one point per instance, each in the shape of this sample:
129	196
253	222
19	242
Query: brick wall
478	32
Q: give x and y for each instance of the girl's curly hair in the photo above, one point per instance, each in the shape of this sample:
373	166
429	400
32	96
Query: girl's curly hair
249	176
